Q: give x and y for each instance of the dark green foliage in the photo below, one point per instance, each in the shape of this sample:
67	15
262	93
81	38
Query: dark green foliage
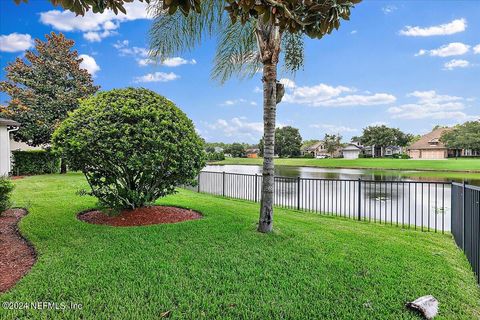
44	87
288	142
464	136
236	150
35	162
215	156
294	53
383	136
133	145
6	187
333	142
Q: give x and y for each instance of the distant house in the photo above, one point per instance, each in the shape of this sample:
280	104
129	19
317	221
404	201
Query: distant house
318	150
429	146
351	151
6	126
252	153
378	152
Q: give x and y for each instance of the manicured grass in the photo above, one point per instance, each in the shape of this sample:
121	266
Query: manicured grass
219	267
459	165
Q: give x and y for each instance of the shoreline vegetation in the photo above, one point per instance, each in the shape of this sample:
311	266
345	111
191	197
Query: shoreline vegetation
447	165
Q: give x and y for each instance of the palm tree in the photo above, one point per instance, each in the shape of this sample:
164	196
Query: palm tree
251	33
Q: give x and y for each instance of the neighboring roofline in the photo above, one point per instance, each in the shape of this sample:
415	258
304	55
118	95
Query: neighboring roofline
423	142
8	122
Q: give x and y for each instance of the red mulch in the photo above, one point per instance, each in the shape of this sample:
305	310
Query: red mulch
17	177
17	256
141	216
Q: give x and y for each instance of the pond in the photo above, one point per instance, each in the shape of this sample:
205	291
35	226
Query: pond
334	173
383	196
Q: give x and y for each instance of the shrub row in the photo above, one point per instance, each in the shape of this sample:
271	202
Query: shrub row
6	186
35	162
215	156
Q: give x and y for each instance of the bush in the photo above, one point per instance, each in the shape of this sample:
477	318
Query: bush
35	162
6	186
215	156
133	145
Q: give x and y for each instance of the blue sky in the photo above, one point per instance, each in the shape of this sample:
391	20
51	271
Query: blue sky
407	64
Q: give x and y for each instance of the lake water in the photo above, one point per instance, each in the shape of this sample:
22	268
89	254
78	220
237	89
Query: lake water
334	173
386	197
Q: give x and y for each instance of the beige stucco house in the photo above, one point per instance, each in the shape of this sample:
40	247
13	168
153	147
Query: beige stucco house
318	150
429	146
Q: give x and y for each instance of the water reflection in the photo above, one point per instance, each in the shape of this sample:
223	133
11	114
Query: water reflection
385	197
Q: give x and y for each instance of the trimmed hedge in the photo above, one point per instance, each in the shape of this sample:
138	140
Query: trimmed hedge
35	162
6	186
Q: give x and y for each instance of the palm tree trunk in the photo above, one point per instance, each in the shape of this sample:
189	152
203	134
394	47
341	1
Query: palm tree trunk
265	223
268	39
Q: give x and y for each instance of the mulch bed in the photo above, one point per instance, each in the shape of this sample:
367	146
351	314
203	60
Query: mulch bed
17	255
141	216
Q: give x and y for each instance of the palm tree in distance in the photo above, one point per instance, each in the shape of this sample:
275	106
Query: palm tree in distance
251	35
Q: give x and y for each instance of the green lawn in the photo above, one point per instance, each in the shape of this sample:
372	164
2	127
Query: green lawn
219	267
459	165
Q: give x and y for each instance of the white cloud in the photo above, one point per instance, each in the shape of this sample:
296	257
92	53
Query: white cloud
451	49
452	27
238	102
257	90
239	128
456	63
476	49
377	123
289	84
331	128
329	96
15	42
361	100
89	64
157	77
141	55
389	9
431	105
95	26
125	50
170	62
353	32
177	61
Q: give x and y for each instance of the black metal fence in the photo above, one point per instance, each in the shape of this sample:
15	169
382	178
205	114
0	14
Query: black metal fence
466	222
410	204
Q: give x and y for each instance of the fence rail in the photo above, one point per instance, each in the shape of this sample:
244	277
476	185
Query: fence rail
410	204
423	205
466	222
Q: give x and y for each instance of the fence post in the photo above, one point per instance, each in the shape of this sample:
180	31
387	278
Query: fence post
256	187
298	193
464	189
223	184
359	199
198	181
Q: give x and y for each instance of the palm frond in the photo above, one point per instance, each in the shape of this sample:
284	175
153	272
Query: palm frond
176	33
237	52
293	52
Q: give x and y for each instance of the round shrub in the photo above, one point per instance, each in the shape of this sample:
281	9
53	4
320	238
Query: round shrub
133	145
